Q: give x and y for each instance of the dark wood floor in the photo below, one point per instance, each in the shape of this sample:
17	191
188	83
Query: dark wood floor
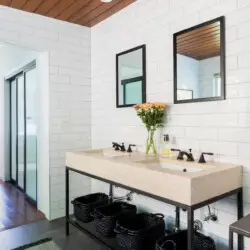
15	210
21	223
26	234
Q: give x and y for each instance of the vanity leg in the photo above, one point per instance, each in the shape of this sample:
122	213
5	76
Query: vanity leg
240	215
231	240
67	200
190	224
177	218
111	194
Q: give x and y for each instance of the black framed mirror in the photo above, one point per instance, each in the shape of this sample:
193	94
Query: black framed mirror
199	63
131	77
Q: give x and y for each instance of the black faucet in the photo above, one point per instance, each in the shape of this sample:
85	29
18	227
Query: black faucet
182	153
189	155
130	149
180	156
202	158
119	147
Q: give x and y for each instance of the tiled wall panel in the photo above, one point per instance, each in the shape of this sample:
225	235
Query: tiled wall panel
221	127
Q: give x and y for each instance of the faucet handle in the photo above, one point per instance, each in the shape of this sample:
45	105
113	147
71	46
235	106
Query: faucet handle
191	157
175	149
202	158
180	155
115	146
123	149
130	149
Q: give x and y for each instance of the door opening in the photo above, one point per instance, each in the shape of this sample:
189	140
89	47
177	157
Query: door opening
23	136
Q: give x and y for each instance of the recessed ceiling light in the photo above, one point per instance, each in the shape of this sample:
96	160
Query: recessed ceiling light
106	1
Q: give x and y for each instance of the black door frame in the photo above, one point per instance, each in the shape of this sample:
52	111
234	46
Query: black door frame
14	77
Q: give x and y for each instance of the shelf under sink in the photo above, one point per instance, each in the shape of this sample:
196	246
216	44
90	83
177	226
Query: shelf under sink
89	229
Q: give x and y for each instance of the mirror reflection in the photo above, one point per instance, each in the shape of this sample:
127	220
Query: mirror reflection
131	79
199	60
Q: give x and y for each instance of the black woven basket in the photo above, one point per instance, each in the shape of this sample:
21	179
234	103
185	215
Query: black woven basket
85	205
178	241
107	215
140	232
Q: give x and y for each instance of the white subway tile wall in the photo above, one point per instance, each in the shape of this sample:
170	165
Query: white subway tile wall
220	127
82	90
69	90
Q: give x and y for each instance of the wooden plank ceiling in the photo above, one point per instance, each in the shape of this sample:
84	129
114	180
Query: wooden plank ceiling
83	12
201	43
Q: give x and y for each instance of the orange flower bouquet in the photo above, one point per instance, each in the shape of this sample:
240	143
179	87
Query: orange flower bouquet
152	116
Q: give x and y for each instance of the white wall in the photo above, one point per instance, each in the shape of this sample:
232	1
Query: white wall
43	167
68	48
221	127
197	75
188	74
208	68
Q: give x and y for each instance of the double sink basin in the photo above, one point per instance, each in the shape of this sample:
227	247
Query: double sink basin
140	158
188	183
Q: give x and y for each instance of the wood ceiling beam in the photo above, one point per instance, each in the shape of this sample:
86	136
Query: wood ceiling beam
93	4
207	56
201	56
82	12
198	35
60	7
73	9
32	5
193	32
201	43
196	52
5	2
46	6
200	39
18	4
110	12
213	43
98	11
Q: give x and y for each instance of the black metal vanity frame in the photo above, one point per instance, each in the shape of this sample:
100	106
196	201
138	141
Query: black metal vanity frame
190	210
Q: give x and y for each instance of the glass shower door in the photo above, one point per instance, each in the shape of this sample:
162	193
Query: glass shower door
13	124
31	133
20	131
24	131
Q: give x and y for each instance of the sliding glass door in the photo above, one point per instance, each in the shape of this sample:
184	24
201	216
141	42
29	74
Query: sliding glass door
13	130
31	134
20	130
24	131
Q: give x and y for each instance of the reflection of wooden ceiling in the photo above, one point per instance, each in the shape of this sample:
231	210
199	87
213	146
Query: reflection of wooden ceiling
83	12
201	43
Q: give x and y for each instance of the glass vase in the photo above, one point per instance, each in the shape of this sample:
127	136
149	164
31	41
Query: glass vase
150	145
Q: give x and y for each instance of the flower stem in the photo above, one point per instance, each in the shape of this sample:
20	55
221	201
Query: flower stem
150	141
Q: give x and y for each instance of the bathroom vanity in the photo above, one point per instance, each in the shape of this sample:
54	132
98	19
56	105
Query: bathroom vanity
186	185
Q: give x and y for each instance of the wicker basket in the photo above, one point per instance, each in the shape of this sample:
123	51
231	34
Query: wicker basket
178	241
85	205
140	232
107	215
